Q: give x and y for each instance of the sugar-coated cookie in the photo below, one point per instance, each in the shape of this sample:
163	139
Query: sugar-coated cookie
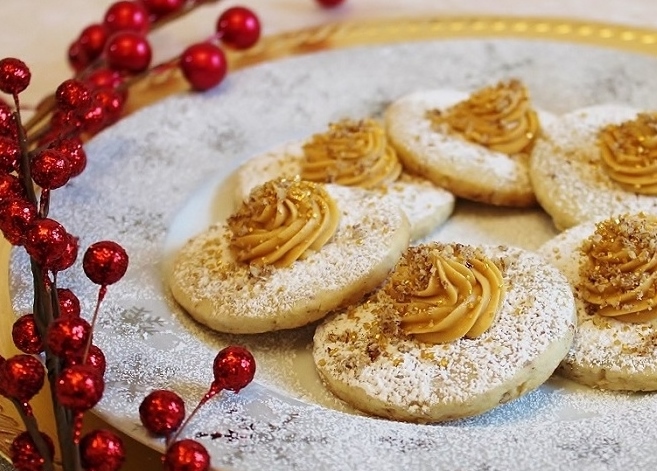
348	154
476	146
570	178
380	355
293	252
611	267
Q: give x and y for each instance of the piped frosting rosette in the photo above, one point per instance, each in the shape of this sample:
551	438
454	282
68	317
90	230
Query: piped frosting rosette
612	267
454	331
354	153
291	253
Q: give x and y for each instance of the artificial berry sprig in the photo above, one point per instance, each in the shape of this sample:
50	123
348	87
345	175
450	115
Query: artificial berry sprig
162	412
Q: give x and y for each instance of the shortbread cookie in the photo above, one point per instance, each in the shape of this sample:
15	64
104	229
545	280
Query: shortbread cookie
571	180
380	356
349	154
276	264
614	347
458	142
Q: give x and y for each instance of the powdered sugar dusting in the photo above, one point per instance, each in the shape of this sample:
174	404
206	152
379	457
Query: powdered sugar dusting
172	159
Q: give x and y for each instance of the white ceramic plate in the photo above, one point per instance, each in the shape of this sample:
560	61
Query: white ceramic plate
159	176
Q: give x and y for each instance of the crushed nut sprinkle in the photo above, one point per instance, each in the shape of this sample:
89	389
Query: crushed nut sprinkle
618	270
498	117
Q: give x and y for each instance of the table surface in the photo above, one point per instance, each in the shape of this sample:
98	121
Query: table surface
40	32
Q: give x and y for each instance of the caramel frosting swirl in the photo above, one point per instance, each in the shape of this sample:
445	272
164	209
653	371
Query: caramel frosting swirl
629	153
618	272
283	221
446	292
498	117
351	153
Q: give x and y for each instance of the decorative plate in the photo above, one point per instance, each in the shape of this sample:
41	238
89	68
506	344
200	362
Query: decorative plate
162	174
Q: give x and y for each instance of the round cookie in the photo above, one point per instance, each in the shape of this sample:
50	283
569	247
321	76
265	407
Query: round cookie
566	171
606	353
425	205
235	297
466	169
364	358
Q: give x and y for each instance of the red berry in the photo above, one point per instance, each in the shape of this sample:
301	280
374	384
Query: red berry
102	450
25	455
73	150
7	121
68	335
77	58
69	304
21	377
16	216
14	76
162	412
126	16
79	387
107	108
10	187
68	257
234	367
26	336
95	358
72	94
203	65
330	3
104	78
186	455
239	27
128	52
92	41
51	169
160	8
10	154
65	122
105	262
45	241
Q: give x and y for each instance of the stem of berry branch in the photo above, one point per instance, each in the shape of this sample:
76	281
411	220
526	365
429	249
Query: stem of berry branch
32	428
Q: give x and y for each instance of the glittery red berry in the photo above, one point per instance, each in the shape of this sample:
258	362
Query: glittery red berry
234	367
77	58
68	257
72	94
186	455
105	262
73	150
16	216
106	110
128	52
10	187
69	304
7	121
21	377
203	65
66	336
92	40
79	387
10	154
14	75
26	336
25	455
126	16
330	3
51	169
65	122
45	241
238	27
104	78
102	450
160	8
95	358
162	412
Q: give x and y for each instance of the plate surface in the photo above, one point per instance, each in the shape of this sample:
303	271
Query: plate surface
161	175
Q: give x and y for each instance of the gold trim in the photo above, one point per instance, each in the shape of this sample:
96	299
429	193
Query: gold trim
341	35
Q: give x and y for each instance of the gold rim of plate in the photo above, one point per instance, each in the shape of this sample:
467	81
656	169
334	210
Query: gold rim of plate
328	37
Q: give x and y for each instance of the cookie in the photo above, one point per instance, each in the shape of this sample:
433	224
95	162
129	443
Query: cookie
476	146
572	166
610	265
382	357
293	252
352	153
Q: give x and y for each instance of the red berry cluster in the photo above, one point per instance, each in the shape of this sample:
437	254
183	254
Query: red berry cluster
162	412
54	334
